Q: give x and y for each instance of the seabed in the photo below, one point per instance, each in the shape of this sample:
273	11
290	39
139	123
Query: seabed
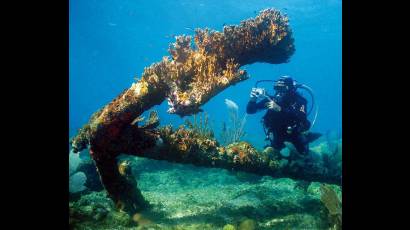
189	197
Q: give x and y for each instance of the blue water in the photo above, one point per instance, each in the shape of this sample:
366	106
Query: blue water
112	41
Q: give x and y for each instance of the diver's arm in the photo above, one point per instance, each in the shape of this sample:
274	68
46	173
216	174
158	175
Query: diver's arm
274	106
253	106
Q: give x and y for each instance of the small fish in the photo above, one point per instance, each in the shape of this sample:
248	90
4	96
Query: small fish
189	28
111	24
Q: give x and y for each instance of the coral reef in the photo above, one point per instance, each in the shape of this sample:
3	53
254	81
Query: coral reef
96	211
189	79
188	145
203	72
200	125
333	206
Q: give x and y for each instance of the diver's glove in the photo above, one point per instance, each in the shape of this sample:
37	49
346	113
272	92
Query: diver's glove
272	105
253	95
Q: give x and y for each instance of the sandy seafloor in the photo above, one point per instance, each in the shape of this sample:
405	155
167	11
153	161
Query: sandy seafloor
190	197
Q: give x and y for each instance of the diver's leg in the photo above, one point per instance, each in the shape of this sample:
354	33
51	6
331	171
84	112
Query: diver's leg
301	144
278	143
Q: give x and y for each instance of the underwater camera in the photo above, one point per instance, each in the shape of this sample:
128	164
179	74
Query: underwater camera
259	91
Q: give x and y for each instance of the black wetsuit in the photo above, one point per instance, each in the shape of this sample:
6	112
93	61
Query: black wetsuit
292	114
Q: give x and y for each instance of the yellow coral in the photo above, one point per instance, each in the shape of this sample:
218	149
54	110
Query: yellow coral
221	150
333	205
183	96
123	168
141	87
330	200
247	224
229	227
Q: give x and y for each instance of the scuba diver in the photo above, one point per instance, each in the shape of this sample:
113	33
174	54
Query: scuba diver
286	116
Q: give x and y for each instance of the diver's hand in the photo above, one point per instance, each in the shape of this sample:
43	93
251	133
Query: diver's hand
274	106
253	95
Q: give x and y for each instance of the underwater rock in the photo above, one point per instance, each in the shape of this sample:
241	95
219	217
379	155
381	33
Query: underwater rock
93	182
76	182
283	163
285	152
247	224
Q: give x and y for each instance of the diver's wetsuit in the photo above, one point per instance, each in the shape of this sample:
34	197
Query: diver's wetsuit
293	114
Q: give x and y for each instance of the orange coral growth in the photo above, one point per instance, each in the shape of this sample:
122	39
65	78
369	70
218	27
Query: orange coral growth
190	78
201	73
243	153
195	74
